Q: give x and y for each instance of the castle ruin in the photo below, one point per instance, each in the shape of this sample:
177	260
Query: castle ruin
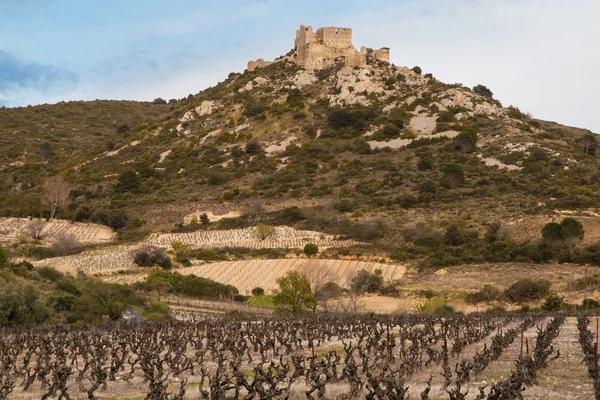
320	49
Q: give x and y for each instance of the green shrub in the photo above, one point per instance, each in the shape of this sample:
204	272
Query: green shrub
553	303
3	257
434	306
483	91
311	249
50	274
590	304
525	290
187	285
486	294
258	291
21	305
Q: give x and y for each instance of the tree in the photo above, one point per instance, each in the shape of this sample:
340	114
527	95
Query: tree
311	249
319	276
553	303
466	141
264	231
128	181
417	70
483	91
159	100
252	147
122	128
551	231
590	143
182	250
367	282
204	219
258	291
35	228
294	295
4	257
21	305
453	175
65	244
571	229
56	194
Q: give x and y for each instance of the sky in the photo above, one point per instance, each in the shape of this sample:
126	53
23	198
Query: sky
539	55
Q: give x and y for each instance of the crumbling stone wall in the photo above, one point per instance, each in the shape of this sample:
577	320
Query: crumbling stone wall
260	63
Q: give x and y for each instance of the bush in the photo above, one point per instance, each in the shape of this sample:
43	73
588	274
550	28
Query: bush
569	230
330	290
143	259
453	175
527	290
417	70
187	285
65	244
311	249
159	100
434	306
368	282
553	303
258	291
486	294
483	91
252	147
149	256
466	142
590	304
3	257
21	305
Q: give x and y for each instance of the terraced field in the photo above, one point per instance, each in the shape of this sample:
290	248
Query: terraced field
248	274
92	262
85	233
284	237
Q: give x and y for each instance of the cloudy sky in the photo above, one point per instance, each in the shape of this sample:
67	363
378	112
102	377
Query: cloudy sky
539	55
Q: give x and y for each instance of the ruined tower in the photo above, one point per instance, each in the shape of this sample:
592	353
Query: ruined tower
318	50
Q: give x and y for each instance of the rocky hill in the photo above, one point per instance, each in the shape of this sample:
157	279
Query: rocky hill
357	139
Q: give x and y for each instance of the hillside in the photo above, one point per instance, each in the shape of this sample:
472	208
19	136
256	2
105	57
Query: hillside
376	160
377	138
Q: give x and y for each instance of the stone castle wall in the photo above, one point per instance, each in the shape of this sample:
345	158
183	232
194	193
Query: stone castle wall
320	49
339	38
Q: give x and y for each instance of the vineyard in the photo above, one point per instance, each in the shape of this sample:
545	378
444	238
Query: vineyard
479	356
283	237
91	262
85	233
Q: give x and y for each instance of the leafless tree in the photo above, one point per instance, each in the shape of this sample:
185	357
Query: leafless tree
56	194
65	244
351	301
319	275
35	228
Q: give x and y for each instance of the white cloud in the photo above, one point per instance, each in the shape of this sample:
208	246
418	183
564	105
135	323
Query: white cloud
536	54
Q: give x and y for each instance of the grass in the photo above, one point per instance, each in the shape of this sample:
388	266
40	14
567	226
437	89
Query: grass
261	301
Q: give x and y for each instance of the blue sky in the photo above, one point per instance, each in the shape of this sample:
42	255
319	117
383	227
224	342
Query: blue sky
540	55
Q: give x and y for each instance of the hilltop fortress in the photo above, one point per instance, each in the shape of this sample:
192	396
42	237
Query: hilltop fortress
318	50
